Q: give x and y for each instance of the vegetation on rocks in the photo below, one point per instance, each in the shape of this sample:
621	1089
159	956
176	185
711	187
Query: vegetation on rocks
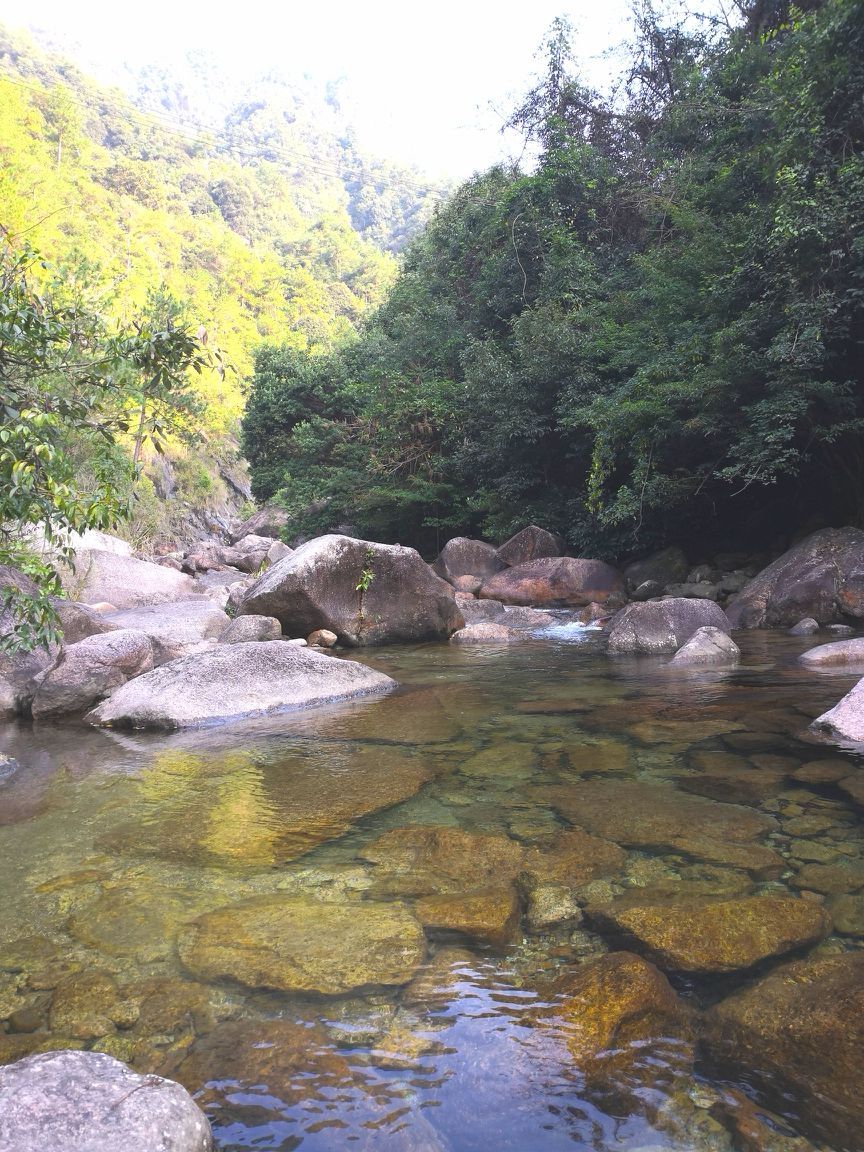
654	332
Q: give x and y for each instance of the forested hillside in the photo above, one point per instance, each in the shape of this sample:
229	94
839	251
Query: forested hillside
657	333
266	226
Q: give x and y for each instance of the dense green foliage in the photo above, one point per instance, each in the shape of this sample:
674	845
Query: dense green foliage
70	383
268	223
656	332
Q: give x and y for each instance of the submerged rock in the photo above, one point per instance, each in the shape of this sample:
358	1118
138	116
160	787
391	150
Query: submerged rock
235	680
799	1034
490	915
555	582
296	944
623	1022
821	577
707	645
431	859
89	1102
660	626
715	936
323	586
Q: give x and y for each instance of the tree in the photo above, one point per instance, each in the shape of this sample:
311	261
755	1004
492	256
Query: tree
67	376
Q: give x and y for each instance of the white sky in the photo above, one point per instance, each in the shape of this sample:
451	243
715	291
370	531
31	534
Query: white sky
423	84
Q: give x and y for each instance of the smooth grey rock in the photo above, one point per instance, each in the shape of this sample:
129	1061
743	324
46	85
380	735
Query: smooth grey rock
463	556
248	561
662	626
232	681
9	699
90	1102
278	551
178	629
845	721
840	654
806	627
485	632
317	587
243	629
532	543
88	671
708	645
822	576
123	580
252	542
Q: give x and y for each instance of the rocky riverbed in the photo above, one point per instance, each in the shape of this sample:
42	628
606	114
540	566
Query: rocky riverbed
537	895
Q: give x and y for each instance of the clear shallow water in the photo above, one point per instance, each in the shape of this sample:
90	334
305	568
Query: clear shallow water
111	845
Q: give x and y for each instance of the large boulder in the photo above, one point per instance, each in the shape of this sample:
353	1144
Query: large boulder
798	1034
821	577
123	581
366	593
462	556
712	936
707	646
667	567
244	629
532	543
18	669
560	582
178	629
90	1102
234	680
660	626
297	944
90	670
845	721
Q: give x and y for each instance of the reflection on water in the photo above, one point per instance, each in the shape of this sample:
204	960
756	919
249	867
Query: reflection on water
535	819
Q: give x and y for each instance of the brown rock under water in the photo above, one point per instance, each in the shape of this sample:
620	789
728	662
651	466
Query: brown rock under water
715	936
799	1032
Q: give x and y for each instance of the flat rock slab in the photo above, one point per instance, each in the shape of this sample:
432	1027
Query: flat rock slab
90	1102
716	936
293	944
176	629
233	681
799	1033
639	814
